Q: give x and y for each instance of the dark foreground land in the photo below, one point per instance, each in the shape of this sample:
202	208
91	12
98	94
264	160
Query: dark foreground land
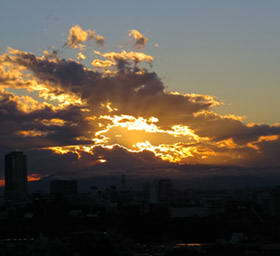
58	228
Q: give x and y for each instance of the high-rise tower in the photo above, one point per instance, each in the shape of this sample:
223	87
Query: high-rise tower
15	176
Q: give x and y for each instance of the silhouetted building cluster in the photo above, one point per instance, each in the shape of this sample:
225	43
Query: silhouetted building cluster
208	222
63	187
158	212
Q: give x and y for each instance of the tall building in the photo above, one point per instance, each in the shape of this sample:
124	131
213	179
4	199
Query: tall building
164	190
160	191
15	176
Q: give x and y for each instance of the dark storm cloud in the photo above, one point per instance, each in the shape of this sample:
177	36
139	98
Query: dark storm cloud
132	90
223	127
269	155
119	157
14	122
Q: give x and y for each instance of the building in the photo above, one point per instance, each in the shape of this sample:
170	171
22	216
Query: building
63	187
160	191
164	190
15	176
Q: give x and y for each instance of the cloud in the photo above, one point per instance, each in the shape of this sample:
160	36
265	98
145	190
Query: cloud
103	63
81	56
221	127
77	36
121	59
140	39
135	91
118	112
37	128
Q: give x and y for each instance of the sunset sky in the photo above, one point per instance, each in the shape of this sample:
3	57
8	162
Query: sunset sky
104	85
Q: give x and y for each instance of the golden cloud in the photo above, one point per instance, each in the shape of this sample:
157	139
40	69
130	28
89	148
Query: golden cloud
77	36
117	105
140	39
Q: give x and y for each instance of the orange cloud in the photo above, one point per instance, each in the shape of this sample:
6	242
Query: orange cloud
117	105
140	39
77	36
135	57
32	133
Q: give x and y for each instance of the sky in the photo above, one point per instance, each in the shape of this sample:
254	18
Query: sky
198	83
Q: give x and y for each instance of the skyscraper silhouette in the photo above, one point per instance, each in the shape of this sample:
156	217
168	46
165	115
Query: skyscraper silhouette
15	176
